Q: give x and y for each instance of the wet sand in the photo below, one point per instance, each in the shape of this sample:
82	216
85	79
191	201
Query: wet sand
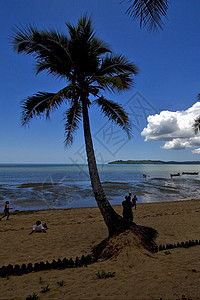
73	232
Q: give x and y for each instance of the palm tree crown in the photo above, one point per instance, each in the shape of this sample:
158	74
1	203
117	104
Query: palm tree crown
85	62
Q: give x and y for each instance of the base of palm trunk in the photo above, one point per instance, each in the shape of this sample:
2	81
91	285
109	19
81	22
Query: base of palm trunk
117	224
140	236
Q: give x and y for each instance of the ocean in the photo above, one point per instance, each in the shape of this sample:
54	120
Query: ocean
29	186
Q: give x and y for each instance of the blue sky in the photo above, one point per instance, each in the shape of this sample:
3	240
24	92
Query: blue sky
165	88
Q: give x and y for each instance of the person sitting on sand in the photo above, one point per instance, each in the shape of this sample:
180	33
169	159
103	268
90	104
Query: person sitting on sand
6	211
127	209
39	227
134	201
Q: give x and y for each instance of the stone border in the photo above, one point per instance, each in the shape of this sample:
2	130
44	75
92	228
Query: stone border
18	270
186	244
65	263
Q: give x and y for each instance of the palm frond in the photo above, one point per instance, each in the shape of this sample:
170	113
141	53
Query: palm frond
84	28
37	105
196	125
100	47
115	113
117	64
149	12
58	60
73	117
115	83
49	48
94	90
115	73
67	93
121	81
22	39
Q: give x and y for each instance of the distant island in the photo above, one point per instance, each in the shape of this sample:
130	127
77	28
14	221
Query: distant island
153	162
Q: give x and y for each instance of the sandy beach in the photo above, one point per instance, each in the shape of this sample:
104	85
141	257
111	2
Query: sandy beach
139	274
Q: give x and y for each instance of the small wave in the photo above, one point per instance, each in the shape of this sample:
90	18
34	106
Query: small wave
169	191
159	178
113	182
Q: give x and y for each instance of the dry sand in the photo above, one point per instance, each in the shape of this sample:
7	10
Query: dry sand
73	232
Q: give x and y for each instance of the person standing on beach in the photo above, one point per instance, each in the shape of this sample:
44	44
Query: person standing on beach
129	196
6	210
127	209
134	200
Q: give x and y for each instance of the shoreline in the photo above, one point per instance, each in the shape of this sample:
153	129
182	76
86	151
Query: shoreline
26	211
70	186
75	231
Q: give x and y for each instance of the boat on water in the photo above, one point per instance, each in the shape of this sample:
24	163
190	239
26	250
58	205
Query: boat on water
190	173
174	175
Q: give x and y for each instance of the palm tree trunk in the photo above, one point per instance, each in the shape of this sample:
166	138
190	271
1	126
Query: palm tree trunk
114	222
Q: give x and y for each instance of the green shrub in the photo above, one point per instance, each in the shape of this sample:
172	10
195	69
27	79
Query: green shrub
45	289
34	296
60	283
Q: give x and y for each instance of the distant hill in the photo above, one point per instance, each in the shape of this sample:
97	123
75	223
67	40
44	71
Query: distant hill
153	162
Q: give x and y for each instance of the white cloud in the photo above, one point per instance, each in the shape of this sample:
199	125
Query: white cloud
196	151
175	128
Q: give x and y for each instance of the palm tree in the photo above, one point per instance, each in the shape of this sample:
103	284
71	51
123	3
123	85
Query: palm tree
196	124
148	12
89	68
